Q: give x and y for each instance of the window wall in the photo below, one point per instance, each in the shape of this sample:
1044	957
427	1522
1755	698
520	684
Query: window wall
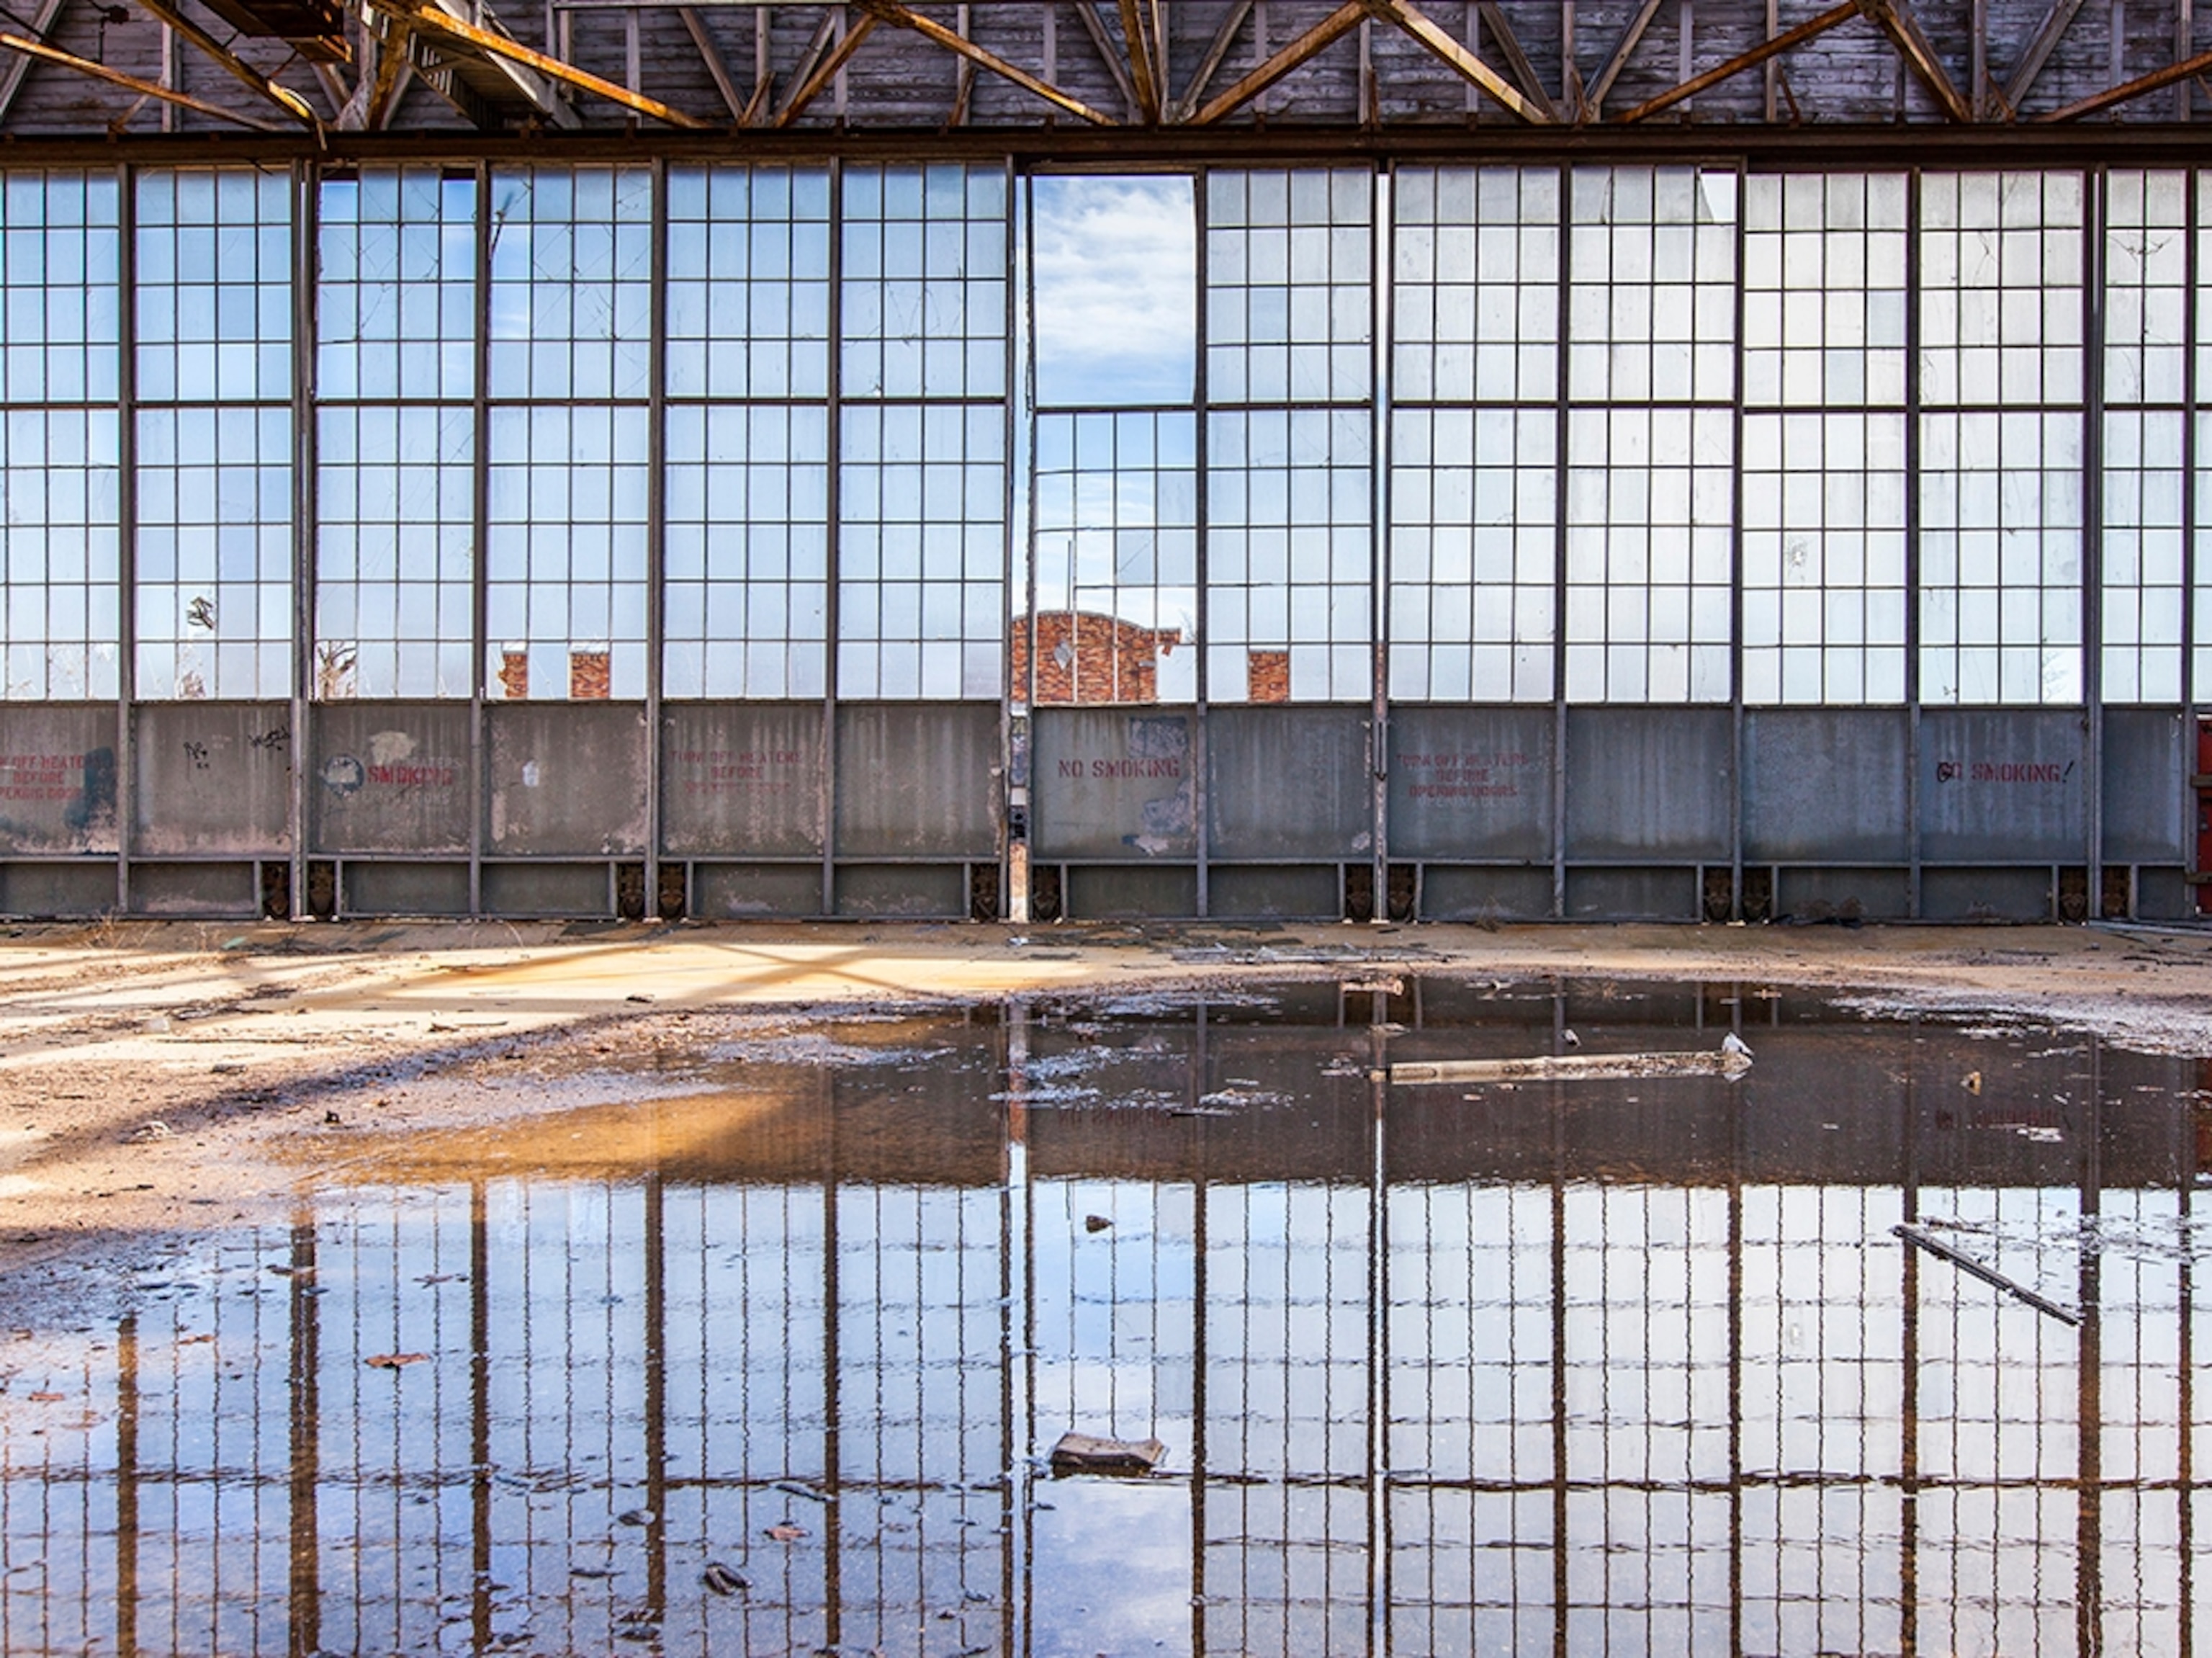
214	537
395	433
60	466
1495	435
1474	365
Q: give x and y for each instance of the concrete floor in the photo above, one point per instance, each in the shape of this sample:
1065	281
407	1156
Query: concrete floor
167	1077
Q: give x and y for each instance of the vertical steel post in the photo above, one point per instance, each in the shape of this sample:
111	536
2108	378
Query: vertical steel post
480	543
1560	435
2093	216
1382	241
126	539
1735	588
1913	600
1013	903
1201	781
1021	694
306	227
2193	184
827	783
656	532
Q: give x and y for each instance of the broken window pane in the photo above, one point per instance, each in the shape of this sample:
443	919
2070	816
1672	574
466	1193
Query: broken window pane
1115	286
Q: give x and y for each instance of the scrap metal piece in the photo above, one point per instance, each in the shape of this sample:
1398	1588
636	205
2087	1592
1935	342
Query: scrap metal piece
1989	1275
1574	1067
1086	1453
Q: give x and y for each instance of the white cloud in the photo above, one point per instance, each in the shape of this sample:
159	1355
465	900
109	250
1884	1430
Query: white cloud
1116	281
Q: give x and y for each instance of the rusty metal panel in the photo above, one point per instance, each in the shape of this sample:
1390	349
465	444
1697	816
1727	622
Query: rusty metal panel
1632	895
1108	783
58	889
565	779
1484	894
1644	781
194	889
2002	784
1826	784
913	890
1843	894
58	778
1471	783
1112	892
1288	782
210	777
2146	768
389	778
1968	894
530	890
1292	891
404	889
743	779
918	780
729	892
2163	895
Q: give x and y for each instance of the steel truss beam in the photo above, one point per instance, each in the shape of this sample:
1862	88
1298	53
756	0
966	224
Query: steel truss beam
70	60
890	11
465	57
430	19
284	98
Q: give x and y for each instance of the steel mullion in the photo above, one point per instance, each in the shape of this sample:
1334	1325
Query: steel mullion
2096	213
480	537
126	574
305	223
1382	216
656	535
1201	448
1735	567
1561	434
826	785
1014	731
2193	187
1914	598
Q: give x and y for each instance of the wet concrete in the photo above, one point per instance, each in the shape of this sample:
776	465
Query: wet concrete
766	1353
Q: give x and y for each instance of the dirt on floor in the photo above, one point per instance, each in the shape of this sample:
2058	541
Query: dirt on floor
158	1079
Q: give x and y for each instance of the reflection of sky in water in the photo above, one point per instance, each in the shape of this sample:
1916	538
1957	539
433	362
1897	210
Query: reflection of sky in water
1417	1356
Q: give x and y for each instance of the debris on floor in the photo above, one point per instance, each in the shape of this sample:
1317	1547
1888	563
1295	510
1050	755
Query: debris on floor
1084	1454
1730	1062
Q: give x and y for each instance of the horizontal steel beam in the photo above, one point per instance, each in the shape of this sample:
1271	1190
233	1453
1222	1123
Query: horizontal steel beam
1821	147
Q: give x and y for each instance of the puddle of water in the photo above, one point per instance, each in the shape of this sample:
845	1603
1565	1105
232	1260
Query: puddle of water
1622	1365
